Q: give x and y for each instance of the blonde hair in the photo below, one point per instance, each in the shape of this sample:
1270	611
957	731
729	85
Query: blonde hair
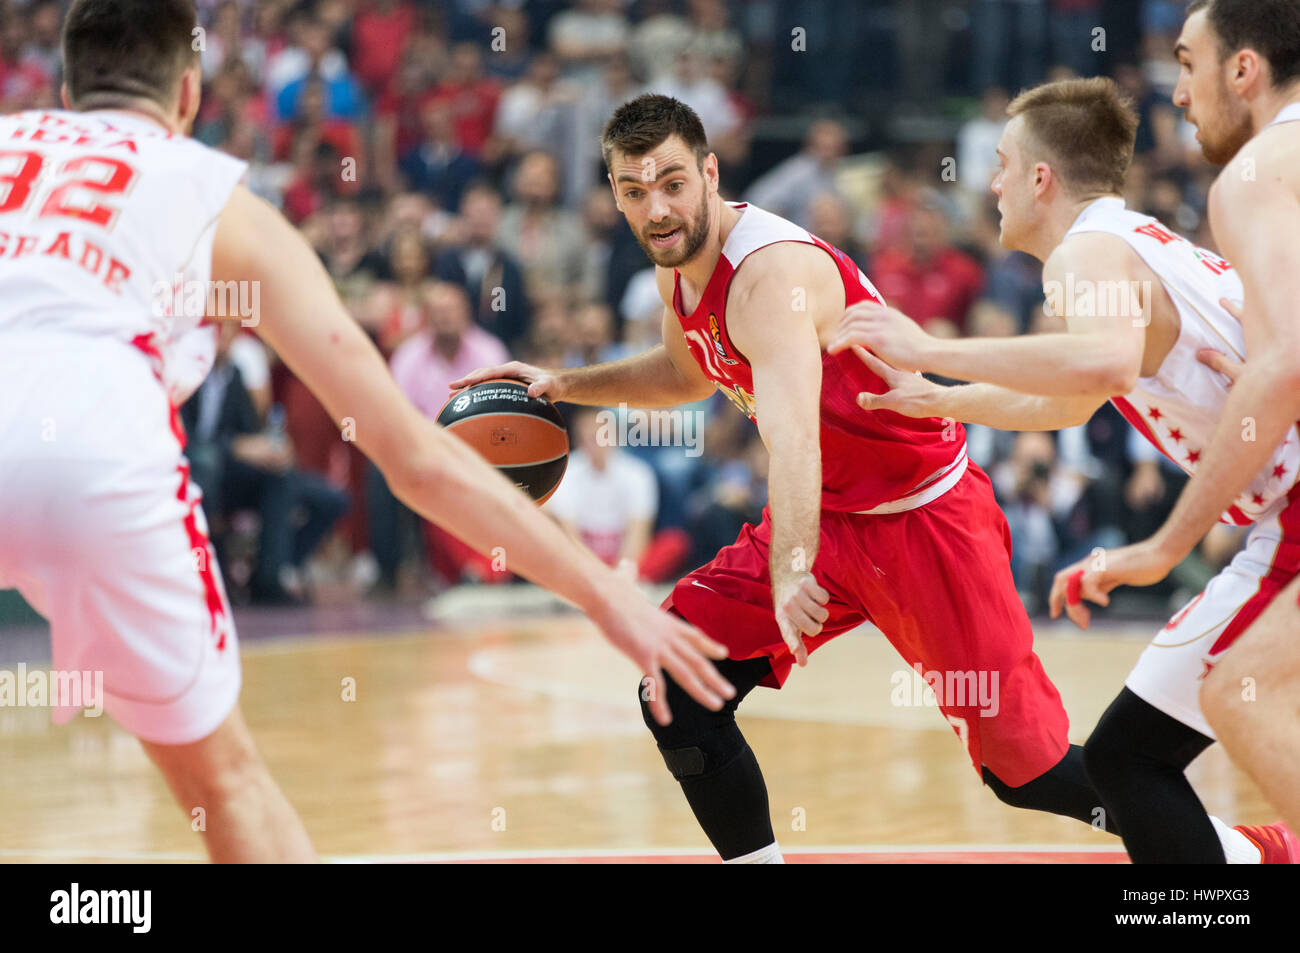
1087	128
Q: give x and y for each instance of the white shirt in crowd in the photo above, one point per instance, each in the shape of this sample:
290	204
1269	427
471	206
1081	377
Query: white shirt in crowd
602	503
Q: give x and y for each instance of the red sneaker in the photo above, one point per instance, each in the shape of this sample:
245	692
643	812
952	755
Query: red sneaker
1275	842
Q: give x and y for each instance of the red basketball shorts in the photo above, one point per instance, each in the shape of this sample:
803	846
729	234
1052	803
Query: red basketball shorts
937	582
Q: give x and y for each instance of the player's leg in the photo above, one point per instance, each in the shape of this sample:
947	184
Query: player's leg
1252	700
245	816
731	601
719	774
937	581
1138	754
1136	757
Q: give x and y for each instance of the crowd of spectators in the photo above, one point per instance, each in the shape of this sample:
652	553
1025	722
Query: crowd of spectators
442	157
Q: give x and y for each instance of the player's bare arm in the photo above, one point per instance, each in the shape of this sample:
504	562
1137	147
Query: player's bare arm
912	395
1101	354
783	348
1254	217
434	473
664	376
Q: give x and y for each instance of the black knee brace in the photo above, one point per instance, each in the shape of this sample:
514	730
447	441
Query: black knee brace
698	741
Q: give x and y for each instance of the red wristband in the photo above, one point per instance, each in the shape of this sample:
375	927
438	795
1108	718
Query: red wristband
1074	588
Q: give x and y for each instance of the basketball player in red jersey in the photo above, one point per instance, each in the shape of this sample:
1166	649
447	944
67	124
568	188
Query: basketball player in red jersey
1240	86
100	528
874	517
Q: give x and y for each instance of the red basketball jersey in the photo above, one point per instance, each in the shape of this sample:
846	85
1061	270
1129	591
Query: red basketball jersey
869	458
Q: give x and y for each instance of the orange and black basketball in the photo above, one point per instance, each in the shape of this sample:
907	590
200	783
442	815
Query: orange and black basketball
523	437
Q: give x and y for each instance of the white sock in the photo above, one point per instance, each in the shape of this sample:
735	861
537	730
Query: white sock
1237	847
771	854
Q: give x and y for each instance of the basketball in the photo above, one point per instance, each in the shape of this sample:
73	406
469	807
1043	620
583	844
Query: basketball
523	437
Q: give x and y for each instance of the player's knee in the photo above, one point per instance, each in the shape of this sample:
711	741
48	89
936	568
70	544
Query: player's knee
1223	697
698	741
1106	752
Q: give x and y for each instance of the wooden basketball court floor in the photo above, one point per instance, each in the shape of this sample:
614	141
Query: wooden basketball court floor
521	740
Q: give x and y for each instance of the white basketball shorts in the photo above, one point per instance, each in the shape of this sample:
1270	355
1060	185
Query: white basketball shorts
101	531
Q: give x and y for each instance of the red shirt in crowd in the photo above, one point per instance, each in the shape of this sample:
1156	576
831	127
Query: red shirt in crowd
944	287
379	42
473	108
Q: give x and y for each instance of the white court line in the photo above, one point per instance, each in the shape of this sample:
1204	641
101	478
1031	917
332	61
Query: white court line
433	857
68	853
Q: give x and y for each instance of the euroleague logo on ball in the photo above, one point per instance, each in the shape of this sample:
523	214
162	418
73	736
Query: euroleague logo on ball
461	403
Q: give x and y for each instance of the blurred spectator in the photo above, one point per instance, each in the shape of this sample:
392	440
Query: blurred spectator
1025	492
734	490
513	53
43	49
313	124
789	189
380	33
601	222
396	307
440	167
238	464
692	81
830	218
608	500
593	336
712	38
470	96
1158	120
308	51
448	346
658	37
927	278
977	142
538	112
222	40
589	31
24	81
545	239
491	277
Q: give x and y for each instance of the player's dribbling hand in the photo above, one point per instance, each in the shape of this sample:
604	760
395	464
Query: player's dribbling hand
888	332
541	383
1092	578
909	394
800	605
658	642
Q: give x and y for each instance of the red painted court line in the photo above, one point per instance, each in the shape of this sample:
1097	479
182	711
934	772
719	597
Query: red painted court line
901	857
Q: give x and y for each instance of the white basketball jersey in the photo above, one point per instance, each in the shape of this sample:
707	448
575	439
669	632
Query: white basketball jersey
1177	409
1289	113
101	216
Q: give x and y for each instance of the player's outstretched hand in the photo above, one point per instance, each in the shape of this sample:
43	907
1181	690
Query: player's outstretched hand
888	332
909	394
800	605
1093	577
541	383
657	641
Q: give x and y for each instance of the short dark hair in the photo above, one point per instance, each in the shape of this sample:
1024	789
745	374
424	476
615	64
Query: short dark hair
1087	125
641	124
1270	27
127	49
